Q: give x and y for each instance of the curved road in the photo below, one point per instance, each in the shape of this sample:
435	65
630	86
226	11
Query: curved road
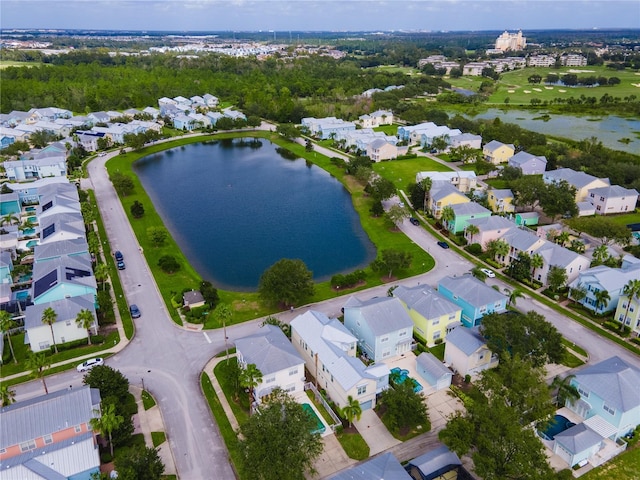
168	359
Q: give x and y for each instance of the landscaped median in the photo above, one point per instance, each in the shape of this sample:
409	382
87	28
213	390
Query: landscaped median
245	305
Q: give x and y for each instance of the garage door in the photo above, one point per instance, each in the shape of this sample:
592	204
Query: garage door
366	405
563	453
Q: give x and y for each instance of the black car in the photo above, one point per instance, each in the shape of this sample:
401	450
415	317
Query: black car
443	244
414	221
118	255
121	265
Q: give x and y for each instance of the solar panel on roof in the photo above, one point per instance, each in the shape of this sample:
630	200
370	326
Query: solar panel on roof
72	273
48	230
47	206
45	283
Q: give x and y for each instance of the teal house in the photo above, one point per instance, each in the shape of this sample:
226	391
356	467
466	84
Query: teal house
527	218
463	213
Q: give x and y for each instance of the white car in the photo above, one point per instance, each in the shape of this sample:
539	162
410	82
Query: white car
487	272
89	364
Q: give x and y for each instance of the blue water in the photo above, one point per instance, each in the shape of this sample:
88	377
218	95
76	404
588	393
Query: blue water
235	209
29	231
32	243
22	295
558	425
33	219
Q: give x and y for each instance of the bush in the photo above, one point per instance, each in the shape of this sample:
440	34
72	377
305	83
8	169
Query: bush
615	327
168	264
438	341
105	457
474	249
636	341
349	280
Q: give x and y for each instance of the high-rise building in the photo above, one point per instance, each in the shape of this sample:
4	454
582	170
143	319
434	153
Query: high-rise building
511	41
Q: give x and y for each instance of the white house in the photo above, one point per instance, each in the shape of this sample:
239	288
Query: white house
581	181
329	351
271	352
528	164
613	199
382	325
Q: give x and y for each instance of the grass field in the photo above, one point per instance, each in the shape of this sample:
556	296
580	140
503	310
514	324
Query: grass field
9	63
403	172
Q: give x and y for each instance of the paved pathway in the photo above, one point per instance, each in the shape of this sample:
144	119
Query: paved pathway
374	432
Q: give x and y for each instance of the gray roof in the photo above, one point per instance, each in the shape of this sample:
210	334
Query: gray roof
470	208
614	191
577	179
440	189
495	144
501	193
521	158
436	460
578	438
468	340
494	222
66	309
269	349
431	364
471	290
75	269
62	248
47	414
382	467
615	381
554	254
382	314
426	301
519	238
194	296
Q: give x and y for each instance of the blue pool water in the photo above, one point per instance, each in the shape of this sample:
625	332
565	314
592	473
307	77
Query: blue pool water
22	295
559	424
320	428
33	219
400	376
30	209
32	243
29	231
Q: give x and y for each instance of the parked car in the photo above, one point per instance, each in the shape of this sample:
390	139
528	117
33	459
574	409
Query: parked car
121	265
134	310
89	364
487	272
118	255
443	244
414	221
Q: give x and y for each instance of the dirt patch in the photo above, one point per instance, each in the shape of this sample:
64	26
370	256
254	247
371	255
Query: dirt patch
459	382
243	306
351	287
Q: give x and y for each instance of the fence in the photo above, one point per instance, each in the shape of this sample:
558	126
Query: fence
320	399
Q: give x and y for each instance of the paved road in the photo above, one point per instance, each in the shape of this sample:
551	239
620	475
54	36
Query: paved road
169	359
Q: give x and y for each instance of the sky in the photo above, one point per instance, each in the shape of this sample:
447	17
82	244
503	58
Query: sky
319	15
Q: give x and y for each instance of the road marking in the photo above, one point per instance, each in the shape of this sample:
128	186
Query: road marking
206	336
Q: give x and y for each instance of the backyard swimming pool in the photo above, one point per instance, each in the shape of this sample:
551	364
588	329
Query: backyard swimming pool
559	424
400	376
32	243
32	219
29	231
22	295
320	428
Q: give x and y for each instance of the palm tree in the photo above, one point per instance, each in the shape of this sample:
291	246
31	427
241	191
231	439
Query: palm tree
566	391
38	364
497	248
107	423
49	316
6	324
352	410
101	272
472	230
562	238
600	255
447	216
85	320
7	396
514	295
602	298
631	290
426	184
250	378
9	219
536	262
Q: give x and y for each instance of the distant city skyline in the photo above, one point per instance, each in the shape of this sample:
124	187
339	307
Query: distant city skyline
317	15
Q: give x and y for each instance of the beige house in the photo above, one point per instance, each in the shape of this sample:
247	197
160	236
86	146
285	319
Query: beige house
490	228
463	180
466	352
582	182
497	152
380	150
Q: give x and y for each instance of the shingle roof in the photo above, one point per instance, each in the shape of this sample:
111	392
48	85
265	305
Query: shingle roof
495	144
615	381
66	309
382	467
471	208
554	254
62	248
46	414
577	179
426	301
431	364
520	239
269	349
382	314
501	193
494	222
471	290
468	340
440	190
613	191
523	157
578	438
436	460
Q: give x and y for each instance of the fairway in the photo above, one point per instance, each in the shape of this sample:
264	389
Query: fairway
403	172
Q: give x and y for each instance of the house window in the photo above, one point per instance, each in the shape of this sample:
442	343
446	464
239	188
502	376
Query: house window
420	331
77	428
584	393
384	339
3	451
26	446
402	333
48	439
435	322
481	356
332	378
608	409
68	323
293	371
44	345
270	379
452	316
436	335
362	389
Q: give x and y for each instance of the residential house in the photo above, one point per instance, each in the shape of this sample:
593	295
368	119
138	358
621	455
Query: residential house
89	139
24	169
233	114
474	297
434	372
608	390
585	209
375	119
427	136
329	127
55	204
463	180
329	352
437	464
549	232
465	140
65	328
463	212
61	226
63	277
582	182
380	150
490	228
192	299
272	353
474	68
180	100
528	164
184	122
628	312
554	255
210	101
384	466
497	152
382	326
500	200
432	314
443	194
63	248
6	277
6	139
613	199
466	352
99	117
412	133
577	444
519	240
154	112
527	218
50	436
214	117
603	278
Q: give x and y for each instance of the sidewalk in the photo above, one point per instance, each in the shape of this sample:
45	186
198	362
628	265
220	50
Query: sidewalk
208	369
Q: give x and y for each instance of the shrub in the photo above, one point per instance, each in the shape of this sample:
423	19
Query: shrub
348	280
636	341
168	264
474	249
438	341
615	327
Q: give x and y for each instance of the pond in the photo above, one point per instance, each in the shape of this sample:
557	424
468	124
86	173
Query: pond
608	129
235	207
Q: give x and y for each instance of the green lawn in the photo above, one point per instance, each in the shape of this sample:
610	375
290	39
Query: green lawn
147	400
626	218
158	438
239	403
403	172
354	445
624	467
